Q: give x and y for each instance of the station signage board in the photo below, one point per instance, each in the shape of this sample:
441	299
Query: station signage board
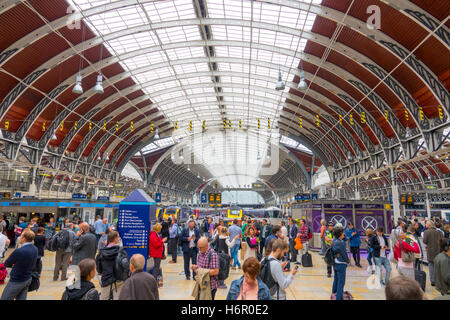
218	198
212	198
403	199
431	187
258	186
204	198
17	195
103	198
118	185
157	197
89	195
78	196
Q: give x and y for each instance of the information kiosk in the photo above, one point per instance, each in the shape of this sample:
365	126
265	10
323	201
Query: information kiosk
135	215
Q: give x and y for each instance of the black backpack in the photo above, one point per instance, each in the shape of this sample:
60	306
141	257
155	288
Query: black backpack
266	274
224	265
59	241
121	266
205	226
329	256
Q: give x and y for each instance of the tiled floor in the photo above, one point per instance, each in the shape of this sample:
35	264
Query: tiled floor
309	283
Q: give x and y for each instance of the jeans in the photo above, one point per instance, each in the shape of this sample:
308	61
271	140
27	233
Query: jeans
431	269
187	256
339	280
322	246
355	253
293	252
261	245
369	258
383	261
234	255
16	290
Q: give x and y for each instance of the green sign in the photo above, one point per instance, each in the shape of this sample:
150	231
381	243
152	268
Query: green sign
431	187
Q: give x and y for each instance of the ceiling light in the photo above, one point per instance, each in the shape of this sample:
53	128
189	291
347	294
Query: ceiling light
107	157
280	84
157	134
188	169
54	137
408	133
98	86
302	84
99	157
78	88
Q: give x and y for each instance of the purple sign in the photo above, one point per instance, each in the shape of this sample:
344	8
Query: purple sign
366	218
338	205
342	216
317	216
368	206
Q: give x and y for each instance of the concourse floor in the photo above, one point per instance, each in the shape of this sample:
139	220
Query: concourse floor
309	283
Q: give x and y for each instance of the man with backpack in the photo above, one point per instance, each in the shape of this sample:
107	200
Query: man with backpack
272	271
62	243
113	266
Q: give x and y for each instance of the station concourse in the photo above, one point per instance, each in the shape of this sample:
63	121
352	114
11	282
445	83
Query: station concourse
297	120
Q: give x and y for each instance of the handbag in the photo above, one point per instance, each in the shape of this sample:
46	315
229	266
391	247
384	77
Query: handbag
298	244
35	283
407	256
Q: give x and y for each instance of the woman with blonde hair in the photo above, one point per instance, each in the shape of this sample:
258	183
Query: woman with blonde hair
156	249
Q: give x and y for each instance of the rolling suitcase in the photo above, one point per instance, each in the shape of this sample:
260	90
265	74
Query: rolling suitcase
421	277
307	260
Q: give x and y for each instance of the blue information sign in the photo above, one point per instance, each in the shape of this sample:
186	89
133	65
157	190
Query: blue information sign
78	196
157	197
17	195
134	222
103	198
314	196
204	198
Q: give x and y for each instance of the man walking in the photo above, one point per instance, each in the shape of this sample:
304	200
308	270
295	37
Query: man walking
173	240
62	256
355	242
22	261
189	239
233	231
84	244
432	238
379	244
265	231
100	227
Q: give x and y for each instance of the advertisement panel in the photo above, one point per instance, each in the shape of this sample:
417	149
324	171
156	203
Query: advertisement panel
342	216
365	218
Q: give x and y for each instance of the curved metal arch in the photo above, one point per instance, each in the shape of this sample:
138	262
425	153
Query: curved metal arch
139	88
329	14
122	30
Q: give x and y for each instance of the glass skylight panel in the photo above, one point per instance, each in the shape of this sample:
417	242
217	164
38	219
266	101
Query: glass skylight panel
170	10
195	80
288	142
303	148
186	52
179	34
149	147
165	142
161	86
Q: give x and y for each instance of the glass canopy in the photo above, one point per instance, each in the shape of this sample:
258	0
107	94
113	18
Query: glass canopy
223	66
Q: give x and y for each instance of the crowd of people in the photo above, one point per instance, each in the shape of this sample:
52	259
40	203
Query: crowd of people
270	256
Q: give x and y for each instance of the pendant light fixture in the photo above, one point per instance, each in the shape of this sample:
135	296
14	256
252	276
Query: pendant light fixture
99	86
78	89
280	84
54	137
99	157
156	134
302	85
107	157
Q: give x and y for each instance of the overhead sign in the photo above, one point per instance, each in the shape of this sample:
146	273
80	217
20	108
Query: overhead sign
89	195
218	198
157	197
78	196
204	198
403	199
410	199
212	198
118	185
103	198
314	196
257	185
431	187
17	195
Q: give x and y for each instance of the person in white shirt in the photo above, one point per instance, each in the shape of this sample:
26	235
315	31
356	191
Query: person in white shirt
284	231
4	243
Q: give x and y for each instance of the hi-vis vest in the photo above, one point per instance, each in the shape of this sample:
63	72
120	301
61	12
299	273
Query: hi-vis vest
329	235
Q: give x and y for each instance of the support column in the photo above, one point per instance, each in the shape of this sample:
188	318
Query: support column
33	188
357	193
395	196
427	205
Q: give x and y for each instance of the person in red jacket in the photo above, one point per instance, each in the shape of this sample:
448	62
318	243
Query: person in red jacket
156	249
407	243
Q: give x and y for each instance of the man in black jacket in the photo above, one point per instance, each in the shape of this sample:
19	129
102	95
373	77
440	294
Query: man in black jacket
189	237
84	244
105	267
379	244
293	230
